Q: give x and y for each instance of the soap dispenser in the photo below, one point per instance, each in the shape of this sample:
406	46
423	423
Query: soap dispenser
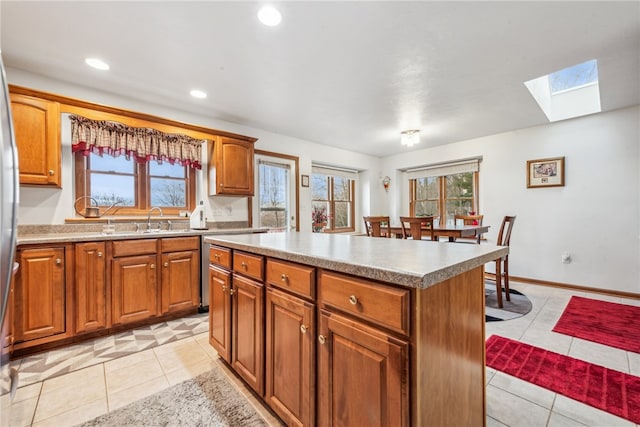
197	220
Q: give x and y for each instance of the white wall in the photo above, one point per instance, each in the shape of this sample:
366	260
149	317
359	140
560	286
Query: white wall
595	216
52	206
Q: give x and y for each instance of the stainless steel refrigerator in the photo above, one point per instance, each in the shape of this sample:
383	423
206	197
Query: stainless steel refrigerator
9	186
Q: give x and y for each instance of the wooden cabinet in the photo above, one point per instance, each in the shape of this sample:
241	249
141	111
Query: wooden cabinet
231	167
37	131
220	311
290	358
362	374
41	294
90	287
180	275
134	283
247	331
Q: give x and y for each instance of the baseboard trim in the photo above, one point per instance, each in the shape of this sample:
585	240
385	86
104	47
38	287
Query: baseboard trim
551	284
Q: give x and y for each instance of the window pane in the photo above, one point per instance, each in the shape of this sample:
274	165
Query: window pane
342	217
108	189
426	208
458	207
167	192
460	185
273	196
166	169
108	163
427	188
341	189
319	215
319	187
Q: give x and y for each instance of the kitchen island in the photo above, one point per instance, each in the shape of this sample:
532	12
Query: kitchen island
349	330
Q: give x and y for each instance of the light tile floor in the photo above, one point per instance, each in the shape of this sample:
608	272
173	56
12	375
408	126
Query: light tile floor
64	388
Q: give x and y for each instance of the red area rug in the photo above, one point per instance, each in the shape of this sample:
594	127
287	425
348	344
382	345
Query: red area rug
608	323
612	391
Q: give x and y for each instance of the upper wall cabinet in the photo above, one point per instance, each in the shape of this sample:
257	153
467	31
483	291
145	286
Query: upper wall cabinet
37	130
231	167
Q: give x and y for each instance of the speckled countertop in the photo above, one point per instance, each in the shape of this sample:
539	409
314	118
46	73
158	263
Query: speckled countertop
414	264
91	235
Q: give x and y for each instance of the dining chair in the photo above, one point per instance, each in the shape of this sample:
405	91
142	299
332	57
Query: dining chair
502	264
415	227
377	226
470	220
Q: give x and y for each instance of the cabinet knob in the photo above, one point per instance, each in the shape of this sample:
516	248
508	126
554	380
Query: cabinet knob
99	254
152	266
51	172
221	185
321	339
232	291
58	261
216	257
303	329
166	264
243	265
224	288
284	277
353	300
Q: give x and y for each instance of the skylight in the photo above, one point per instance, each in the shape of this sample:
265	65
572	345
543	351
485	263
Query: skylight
568	93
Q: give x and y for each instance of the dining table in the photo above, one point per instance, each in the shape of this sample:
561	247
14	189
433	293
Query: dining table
451	230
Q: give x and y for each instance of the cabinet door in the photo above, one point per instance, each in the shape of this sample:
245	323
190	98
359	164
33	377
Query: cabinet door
37	130
248	331
362	375
231	173
180	278
40	294
290	367
8	335
90	286
134	289
220	311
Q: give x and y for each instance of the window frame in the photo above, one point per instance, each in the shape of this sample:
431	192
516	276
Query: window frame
442	197
331	226
142	183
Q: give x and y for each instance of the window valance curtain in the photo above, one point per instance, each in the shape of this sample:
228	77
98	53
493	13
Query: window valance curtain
99	136
444	169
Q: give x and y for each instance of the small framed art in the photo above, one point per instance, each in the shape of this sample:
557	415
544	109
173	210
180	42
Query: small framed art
305	180
545	172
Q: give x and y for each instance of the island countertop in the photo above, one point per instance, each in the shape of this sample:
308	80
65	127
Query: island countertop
408	263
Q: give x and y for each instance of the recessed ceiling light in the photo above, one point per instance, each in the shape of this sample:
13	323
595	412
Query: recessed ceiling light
269	16
97	63
198	94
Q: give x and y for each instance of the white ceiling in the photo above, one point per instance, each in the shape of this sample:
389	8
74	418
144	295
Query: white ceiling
347	74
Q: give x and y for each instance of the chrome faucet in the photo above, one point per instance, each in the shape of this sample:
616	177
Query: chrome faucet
149	216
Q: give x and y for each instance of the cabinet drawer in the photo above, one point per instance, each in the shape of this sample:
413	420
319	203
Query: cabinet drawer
295	278
134	247
176	244
248	265
383	305
220	256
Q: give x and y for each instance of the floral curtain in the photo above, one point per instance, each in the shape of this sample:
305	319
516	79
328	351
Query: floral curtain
99	136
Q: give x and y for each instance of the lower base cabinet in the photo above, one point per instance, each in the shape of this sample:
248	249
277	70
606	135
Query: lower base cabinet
90	287
362	375
134	289
290	358
220	311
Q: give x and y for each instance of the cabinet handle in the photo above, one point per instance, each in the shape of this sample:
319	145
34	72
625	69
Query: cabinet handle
51	172
303	329
224	288
284	277
321	339
166	264
99	254
58	261
353	300
152	266
232	291
216	257
243	265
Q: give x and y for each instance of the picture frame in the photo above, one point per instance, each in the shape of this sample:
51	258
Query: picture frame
545	172
305	180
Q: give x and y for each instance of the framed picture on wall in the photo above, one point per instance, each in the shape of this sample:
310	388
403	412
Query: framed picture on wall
305	180
545	172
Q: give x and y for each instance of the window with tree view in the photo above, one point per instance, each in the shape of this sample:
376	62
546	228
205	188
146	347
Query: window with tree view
332	202
135	187
443	196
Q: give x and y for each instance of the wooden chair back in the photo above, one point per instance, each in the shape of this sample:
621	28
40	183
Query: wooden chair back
504	235
468	219
416	227
377	226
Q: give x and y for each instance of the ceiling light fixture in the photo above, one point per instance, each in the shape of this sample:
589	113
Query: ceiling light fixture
410	137
198	94
269	16
96	63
